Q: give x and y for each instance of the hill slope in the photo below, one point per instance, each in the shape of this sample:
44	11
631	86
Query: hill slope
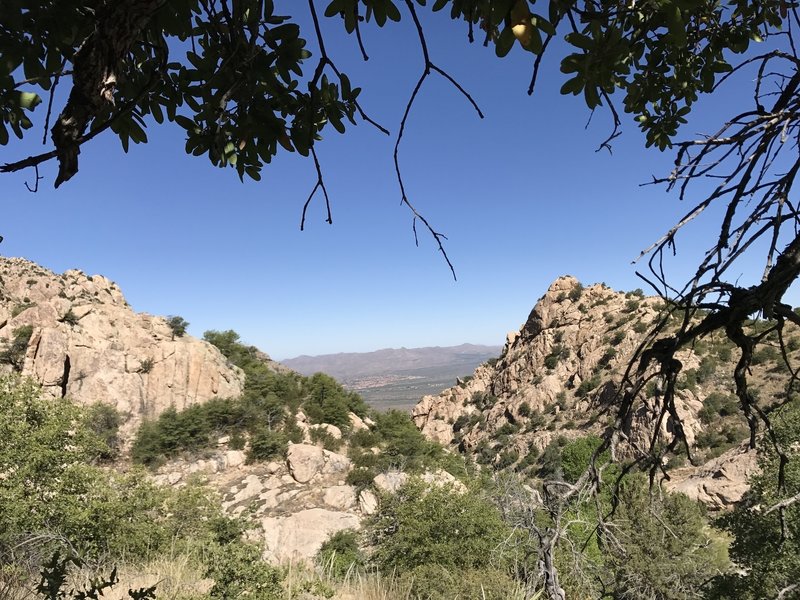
556	379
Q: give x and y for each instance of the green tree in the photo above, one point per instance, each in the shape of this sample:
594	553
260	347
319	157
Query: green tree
765	525
425	524
14	352
178	325
49	490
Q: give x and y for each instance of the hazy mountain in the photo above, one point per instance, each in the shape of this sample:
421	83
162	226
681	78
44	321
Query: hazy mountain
397	377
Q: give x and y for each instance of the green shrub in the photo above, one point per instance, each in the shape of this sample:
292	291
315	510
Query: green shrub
340	554
104	421
587	385
528	460
557	353
267	444
14	352
360	477
576	292
433	525
617	338
708	365
329	402
765	354
607	357
718	404
69	317
239	572
461	422
321	436
631	305
577	454
550	460
49	486
766	543
507	458
524	410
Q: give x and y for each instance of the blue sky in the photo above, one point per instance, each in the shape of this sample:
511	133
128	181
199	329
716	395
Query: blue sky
522	196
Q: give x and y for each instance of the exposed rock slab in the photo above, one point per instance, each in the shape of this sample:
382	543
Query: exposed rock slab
301	534
719	483
88	344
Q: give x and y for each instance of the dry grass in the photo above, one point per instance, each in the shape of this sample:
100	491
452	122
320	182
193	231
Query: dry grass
180	577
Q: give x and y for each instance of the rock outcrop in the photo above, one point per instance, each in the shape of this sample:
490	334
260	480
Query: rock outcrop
85	342
558	375
547	368
719	483
293	505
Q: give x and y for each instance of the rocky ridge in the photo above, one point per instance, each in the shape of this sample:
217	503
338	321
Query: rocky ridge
77	336
556	378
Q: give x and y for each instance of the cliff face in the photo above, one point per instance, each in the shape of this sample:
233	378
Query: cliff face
77	336
558	369
557	377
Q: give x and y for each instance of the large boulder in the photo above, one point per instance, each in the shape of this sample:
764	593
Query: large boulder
721	482
307	462
300	535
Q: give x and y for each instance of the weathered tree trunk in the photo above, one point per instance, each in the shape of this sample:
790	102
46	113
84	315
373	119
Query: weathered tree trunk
118	25
548	568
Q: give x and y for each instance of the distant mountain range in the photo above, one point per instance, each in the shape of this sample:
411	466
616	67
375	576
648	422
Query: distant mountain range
397	377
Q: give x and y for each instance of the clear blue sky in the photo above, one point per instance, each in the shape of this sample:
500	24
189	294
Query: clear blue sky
522	195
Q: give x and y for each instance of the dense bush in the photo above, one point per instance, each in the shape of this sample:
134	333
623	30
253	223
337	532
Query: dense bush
264	413
718	404
577	454
340	554
177	325
329	402
14	352
766	543
239	572
424	525
50	490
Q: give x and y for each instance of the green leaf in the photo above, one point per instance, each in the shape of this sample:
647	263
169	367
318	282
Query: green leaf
573	86
500	10
535	45
334	8
504	43
185	122
579	40
3	134
158	115
28	100
677	29
392	12
541	23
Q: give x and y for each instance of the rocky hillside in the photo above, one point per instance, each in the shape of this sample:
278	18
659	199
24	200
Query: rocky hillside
77	336
555	381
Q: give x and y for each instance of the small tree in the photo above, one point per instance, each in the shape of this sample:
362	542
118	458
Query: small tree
14	353
178	325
